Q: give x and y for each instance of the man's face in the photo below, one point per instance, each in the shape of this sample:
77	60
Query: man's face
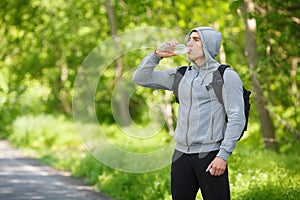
195	53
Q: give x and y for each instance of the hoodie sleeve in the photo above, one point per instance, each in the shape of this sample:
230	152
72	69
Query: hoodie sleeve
146	76
234	106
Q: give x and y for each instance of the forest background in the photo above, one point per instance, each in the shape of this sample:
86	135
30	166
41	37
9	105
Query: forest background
45	46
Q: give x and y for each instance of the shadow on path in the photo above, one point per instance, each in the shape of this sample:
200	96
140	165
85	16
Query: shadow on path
26	178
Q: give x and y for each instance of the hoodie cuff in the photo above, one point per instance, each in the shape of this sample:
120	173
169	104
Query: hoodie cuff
223	154
154	53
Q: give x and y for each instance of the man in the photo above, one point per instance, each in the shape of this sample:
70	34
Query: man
204	140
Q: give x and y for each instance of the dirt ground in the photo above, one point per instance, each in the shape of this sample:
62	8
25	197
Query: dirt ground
26	178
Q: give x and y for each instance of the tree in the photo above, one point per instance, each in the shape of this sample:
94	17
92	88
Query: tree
252	55
122	105
275	60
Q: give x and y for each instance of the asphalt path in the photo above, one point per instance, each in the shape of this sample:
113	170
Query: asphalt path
25	178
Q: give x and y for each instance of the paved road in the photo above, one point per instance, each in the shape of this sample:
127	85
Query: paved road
25	178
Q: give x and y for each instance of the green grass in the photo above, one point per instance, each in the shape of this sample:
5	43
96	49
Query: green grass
255	173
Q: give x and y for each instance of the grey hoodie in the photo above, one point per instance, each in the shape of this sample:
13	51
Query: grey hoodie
201	125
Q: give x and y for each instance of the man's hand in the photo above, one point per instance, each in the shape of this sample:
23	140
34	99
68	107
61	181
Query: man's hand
166	49
217	167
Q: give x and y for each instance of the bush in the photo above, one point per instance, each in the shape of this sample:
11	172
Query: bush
254	173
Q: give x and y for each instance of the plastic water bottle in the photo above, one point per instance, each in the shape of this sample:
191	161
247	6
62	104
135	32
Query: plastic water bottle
178	49
181	49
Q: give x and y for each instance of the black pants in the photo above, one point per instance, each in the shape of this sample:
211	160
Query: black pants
188	175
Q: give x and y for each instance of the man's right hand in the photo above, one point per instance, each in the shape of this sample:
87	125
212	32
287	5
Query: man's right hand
165	53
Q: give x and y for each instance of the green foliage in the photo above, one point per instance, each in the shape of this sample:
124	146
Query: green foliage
254	173
44	133
278	45
44	43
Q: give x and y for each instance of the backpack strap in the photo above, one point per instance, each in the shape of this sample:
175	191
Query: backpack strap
177	78
217	82
222	69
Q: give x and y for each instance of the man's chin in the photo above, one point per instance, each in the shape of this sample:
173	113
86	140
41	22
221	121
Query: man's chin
191	59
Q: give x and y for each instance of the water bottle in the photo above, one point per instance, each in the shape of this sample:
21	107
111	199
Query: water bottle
181	49
178	49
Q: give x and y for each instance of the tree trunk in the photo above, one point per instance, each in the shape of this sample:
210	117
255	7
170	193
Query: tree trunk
267	126
123	107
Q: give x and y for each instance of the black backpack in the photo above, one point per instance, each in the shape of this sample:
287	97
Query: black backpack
217	84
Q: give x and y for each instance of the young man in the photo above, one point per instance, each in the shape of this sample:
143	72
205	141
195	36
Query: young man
204	140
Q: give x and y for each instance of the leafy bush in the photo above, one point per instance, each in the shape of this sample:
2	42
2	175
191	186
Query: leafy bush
44	132
255	173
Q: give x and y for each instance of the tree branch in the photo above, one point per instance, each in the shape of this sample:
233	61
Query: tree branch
285	123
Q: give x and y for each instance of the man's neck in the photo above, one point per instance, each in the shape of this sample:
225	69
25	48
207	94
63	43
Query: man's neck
199	62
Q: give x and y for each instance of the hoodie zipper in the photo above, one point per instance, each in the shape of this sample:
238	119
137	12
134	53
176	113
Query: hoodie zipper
212	127
188	119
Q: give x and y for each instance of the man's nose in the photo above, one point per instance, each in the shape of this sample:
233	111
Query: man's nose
190	42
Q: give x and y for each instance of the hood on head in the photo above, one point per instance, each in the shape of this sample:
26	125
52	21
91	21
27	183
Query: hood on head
211	41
